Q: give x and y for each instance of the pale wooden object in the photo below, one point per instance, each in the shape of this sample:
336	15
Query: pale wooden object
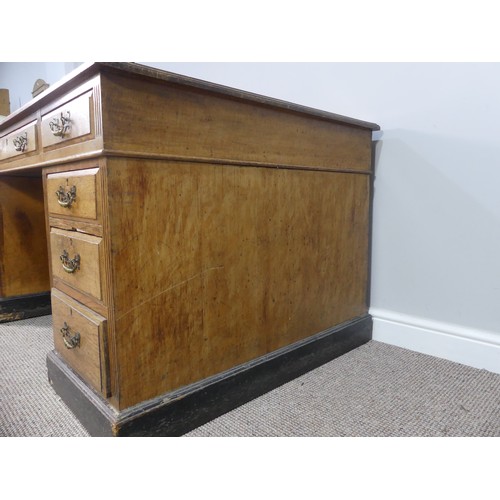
230	264
4	102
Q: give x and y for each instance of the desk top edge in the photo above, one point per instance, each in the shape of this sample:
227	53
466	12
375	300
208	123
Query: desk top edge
87	70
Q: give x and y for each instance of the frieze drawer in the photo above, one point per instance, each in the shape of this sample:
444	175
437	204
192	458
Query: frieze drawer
70	121
19	142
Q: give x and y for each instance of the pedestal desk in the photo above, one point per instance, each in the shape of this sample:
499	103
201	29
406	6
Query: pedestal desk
201	245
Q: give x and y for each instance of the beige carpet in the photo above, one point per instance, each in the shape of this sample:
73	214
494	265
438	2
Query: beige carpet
375	390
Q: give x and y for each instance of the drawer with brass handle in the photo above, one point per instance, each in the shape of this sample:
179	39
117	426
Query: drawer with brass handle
76	260
73	193
79	338
19	142
70	121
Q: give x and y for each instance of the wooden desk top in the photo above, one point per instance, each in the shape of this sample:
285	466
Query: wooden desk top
117	109
86	70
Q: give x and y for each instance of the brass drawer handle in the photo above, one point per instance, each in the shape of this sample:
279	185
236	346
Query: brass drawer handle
21	142
61	126
70	341
70	265
66	199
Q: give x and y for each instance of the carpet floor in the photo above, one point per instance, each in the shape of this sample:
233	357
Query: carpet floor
376	390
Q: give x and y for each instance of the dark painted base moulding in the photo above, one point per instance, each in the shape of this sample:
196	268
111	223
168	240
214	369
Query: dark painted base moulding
183	410
24	307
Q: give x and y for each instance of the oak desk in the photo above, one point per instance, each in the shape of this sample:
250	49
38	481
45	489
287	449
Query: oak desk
201	244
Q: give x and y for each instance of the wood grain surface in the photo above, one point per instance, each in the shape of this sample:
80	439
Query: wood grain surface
23	243
147	117
229	264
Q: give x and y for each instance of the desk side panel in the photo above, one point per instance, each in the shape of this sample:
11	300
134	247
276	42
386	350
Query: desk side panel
143	117
216	265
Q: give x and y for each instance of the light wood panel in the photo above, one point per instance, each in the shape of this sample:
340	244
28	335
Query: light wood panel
23	243
146	117
4	102
229	264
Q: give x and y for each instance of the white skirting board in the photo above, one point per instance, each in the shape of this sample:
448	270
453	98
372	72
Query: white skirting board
477	348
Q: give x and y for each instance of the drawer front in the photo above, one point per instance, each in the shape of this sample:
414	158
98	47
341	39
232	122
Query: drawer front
20	142
79	337
76	260
73	194
70	121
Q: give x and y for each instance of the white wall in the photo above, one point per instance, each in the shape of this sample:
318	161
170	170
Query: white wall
20	78
436	228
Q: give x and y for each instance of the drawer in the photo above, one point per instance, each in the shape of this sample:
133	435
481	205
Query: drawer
19	142
80	339
72	120
76	260
73	193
